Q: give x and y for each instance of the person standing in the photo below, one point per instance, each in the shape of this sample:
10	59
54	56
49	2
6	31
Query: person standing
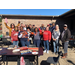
55	37
19	38
28	31
51	29
24	27
41	37
18	28
66	34
49	25
46	39
36	37
33	28
12	26
21	24
14	37
27	26
30	38
23	35
30	26
42	28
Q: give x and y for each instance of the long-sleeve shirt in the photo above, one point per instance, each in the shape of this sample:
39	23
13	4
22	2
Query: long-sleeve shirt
52	28
56	34
10	29
36	35
66	34
24	28
14	36
28	35
40	29
23	36
46	35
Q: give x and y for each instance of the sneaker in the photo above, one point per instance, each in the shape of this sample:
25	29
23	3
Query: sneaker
56	53
38	56
47	51
44	51
53	53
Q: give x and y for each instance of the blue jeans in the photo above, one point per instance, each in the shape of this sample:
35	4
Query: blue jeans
65	46
37	43
46	45
24	42
56	45
29	42
15	43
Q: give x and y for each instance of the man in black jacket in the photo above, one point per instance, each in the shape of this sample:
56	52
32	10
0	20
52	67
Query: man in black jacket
65	39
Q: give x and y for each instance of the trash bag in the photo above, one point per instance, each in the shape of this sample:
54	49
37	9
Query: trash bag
22	61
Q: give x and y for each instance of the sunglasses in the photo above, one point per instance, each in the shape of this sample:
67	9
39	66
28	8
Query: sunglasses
64	26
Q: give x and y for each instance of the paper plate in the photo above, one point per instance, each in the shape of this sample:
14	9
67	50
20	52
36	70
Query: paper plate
10	48
16	50
34	53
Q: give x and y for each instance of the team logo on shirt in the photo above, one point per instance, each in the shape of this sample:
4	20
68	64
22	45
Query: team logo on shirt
15	34
46	33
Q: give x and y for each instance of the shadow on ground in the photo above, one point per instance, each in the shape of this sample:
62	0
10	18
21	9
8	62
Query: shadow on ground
44	62
70	62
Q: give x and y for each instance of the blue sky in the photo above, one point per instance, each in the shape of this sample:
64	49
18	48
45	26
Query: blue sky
34	11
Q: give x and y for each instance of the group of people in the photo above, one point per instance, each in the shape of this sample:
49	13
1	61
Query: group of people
25	35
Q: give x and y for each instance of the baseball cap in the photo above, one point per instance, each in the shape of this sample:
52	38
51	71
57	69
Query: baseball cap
65	25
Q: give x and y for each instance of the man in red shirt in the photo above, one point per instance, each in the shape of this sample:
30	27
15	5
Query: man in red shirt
46	39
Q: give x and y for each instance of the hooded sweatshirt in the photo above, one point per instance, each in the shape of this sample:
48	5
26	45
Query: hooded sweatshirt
14	36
